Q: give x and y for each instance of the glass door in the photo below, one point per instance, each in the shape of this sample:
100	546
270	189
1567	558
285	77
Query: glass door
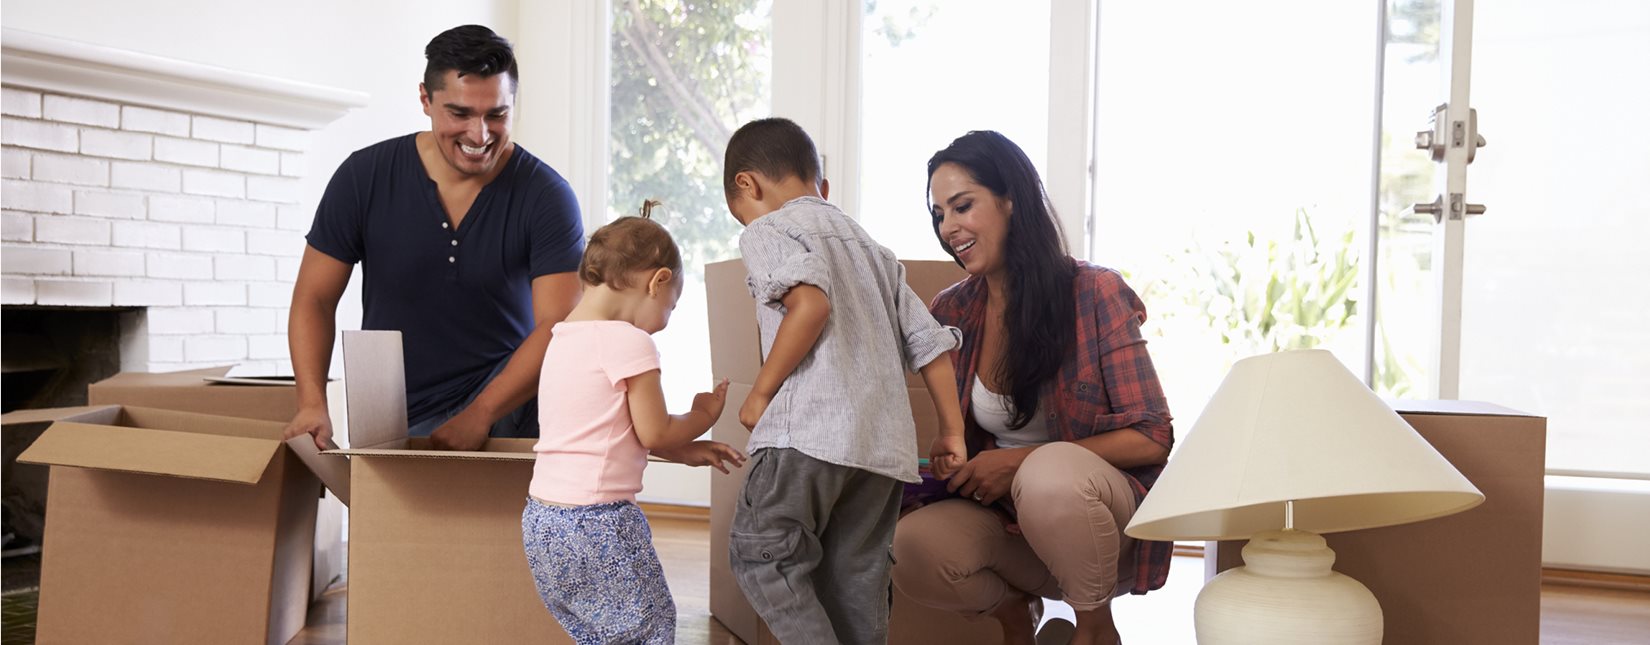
1555	299
1526	286
1232	178
1541	303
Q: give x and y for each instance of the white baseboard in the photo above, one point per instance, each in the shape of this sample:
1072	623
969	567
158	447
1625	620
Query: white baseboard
1596	525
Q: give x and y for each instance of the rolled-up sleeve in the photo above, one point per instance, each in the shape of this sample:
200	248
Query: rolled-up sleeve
925	338
776	262
1130	378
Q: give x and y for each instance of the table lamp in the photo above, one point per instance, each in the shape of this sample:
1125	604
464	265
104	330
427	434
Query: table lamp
1293	445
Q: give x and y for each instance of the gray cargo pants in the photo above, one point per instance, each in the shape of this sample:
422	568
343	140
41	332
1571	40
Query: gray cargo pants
810	546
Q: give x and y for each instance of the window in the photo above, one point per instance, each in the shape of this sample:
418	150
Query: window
684	76
932	71
1232	177
1405	293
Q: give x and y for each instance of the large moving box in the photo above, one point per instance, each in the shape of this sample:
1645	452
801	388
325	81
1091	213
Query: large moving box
736	354
435	551
171	527
204	392
200	391
1472	577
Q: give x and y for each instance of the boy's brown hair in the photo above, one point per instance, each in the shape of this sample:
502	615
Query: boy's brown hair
776	147
628	245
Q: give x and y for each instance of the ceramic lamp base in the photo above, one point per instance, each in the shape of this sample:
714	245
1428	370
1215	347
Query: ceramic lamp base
1287	595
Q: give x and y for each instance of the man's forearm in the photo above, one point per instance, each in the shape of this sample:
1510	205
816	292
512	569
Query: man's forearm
311	327
519	380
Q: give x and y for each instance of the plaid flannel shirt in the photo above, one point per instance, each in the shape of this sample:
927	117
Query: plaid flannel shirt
1107	384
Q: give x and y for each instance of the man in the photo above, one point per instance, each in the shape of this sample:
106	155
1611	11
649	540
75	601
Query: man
469	246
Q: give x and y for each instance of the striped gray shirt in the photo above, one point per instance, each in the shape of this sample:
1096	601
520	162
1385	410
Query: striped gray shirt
846	403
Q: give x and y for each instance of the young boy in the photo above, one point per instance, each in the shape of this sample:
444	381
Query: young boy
832	433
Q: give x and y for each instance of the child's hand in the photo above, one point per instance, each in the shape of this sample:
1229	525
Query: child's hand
712	402
751	412
946	455
705	453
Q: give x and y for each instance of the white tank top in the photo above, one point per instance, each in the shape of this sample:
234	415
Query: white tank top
991	411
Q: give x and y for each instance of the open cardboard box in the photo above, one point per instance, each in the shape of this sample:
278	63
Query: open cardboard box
170	527
736	354
435	550
1471	577
212	391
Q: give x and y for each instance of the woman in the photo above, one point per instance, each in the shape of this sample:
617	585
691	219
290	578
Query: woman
1066	422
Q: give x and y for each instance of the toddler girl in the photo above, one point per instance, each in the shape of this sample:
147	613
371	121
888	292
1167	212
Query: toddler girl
601	411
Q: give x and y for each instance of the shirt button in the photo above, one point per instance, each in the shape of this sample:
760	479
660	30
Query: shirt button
451	259
443	225
455	242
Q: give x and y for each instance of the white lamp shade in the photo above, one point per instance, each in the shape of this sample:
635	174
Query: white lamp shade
1298	426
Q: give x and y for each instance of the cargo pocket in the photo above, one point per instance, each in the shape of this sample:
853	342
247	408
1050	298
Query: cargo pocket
757	559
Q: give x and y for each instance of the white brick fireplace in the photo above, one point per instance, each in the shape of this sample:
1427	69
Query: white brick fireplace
164	189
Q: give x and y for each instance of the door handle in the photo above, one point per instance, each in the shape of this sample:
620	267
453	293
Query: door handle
1458	208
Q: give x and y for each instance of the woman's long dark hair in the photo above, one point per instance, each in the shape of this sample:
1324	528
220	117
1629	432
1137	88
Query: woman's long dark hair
1038	321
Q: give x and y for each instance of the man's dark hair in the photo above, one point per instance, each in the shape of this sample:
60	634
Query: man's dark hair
775	147
470	49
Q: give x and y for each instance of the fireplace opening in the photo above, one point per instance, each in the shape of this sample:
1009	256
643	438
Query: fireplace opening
48	355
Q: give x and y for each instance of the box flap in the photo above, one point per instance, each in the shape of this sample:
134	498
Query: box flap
375	388
152	452
494	450
457	455
210	424
736	345
1405	406
102	414
331	470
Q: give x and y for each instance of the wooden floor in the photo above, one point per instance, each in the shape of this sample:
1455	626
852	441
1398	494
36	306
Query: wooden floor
1570	615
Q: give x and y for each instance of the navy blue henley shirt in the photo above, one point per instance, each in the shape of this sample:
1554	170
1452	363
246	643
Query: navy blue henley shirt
461	297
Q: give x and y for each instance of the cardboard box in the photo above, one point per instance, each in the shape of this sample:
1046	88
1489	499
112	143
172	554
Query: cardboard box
211	391
736	354
191	391
171	527
435	551
1472	577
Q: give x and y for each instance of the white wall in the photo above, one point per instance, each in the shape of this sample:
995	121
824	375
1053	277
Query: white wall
372	46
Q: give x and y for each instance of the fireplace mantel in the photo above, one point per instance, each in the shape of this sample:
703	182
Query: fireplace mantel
53	64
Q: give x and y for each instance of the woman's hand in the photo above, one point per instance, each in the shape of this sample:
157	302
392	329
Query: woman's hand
989	475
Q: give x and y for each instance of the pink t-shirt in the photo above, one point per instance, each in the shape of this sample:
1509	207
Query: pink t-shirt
588	452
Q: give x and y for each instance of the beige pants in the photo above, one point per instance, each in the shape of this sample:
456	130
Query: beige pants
1072	505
